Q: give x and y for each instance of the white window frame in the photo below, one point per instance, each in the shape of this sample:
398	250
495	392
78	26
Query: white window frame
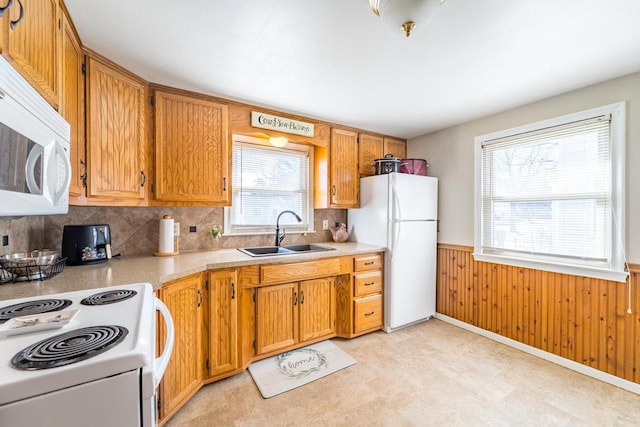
290	229
616	271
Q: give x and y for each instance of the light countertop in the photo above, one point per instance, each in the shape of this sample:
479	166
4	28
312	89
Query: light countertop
158	270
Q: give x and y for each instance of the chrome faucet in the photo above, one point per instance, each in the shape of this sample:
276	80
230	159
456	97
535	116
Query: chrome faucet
280	238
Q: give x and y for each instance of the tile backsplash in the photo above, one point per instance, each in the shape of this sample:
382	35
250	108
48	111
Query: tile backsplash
134	230
24	234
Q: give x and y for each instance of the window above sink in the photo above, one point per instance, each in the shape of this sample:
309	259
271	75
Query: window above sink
267	180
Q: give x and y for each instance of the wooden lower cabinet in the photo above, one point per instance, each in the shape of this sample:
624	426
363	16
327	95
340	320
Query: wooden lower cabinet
223	322
360	297
276	317
367	313
184	374
294	313
225	319
317	308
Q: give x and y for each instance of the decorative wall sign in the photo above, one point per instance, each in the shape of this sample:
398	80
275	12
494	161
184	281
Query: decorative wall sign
281	124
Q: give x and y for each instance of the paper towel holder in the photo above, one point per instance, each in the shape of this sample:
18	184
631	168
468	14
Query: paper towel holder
173	236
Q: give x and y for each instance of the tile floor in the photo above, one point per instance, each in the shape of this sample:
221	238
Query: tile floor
431	374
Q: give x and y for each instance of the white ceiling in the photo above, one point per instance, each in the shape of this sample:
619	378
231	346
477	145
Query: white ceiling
335	60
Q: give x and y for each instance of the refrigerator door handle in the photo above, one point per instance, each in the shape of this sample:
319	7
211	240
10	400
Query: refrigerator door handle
396	236
395	200
397	218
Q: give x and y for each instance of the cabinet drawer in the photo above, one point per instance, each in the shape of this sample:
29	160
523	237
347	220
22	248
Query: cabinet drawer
293	272
367	283
368	262
368	313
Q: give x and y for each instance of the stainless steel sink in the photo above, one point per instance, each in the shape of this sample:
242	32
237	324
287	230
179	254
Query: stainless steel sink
284	250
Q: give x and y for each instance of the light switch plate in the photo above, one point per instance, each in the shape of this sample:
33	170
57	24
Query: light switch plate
325	224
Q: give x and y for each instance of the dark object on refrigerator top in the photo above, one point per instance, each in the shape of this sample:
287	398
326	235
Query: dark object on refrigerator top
387	164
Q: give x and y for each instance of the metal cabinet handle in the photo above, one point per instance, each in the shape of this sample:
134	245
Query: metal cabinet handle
15	23
369	283
83	177
2	9
369	313
233	290
144	178
200	294
368	263
224	183
295	298
333	190
301	297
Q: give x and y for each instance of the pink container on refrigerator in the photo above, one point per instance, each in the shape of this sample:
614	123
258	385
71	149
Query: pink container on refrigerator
414	166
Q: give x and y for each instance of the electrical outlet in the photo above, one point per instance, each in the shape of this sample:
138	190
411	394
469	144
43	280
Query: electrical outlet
5	240
192	229
325	224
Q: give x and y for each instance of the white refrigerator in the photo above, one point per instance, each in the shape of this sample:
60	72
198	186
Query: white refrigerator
399	211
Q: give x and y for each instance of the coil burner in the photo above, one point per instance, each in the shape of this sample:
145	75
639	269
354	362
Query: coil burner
32	307
70	347
108	297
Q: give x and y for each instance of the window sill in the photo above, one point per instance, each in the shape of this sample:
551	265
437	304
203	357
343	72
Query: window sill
268	233
575	270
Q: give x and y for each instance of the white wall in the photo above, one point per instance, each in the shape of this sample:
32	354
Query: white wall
450	155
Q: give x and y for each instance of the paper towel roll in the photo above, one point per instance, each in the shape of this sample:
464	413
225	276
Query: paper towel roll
166	235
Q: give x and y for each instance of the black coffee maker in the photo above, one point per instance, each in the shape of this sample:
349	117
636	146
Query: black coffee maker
86	244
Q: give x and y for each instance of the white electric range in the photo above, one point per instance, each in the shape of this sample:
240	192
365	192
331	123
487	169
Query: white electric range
82	358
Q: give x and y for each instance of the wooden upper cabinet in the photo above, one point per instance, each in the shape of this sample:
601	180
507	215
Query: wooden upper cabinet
344	183
396	147
72	102
32	44
116	134
370	147
192	150
336	183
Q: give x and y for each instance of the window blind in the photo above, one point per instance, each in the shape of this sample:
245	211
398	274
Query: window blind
267	181
547	194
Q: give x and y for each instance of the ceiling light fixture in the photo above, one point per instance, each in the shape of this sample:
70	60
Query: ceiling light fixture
407	13
279	141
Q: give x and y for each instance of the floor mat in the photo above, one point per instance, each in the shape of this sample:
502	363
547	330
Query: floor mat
295	368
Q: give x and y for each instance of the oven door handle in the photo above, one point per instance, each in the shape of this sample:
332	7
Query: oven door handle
160	363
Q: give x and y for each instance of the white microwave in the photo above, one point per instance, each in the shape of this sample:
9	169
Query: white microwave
35	170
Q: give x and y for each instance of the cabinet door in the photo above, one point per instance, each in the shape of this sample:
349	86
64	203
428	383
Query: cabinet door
223	322
369	148
33	44
116	137
183	376
276	317
343	173
396	147
192	150
72	102
317	310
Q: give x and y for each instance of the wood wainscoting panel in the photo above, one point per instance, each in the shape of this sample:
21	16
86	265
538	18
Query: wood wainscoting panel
579	318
